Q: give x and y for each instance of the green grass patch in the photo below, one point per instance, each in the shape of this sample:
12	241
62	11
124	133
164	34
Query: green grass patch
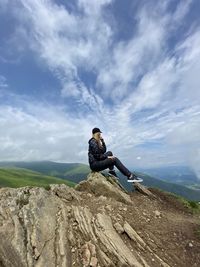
19	177
193	206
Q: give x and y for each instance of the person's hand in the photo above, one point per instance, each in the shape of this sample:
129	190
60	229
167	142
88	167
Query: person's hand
111	157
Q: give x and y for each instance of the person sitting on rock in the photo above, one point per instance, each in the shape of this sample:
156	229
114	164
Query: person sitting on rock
100	160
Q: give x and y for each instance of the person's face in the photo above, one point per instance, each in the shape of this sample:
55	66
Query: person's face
98	135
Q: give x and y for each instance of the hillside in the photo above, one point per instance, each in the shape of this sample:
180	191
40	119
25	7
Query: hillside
18	177
71	171
77	172
180	190
96	224
182	175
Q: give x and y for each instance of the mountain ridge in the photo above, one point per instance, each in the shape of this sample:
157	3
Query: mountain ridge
77	172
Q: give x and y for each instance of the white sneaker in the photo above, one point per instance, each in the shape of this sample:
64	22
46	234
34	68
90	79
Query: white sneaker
134	179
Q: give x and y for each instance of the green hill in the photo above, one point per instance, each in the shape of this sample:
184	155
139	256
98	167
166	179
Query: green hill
70	171
77	172
18	177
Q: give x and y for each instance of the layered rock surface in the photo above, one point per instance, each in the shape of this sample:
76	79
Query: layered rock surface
90	225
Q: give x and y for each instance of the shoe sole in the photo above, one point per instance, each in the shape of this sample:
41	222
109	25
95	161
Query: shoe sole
135	181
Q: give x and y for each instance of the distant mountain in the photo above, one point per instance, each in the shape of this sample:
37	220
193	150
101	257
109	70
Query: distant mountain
180	190
77	172
182	175
18	177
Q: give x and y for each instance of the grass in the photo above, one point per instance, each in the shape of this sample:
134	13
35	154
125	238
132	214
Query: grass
198	232
19	177
193	206
79	169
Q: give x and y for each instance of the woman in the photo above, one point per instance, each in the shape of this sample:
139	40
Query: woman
100	160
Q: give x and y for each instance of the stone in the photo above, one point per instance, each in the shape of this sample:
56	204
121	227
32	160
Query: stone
108	207
157	213
190	245
93	262
102	198
142	189
100	185
58	227
118	228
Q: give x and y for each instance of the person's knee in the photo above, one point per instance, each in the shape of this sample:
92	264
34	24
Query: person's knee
115	159
109	153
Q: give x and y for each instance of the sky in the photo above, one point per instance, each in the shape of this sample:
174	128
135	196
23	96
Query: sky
129	67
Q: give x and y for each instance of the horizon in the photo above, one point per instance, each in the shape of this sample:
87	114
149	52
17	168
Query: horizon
87	164
130	68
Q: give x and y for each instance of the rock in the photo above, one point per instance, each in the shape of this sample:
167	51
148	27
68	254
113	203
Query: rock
119	217
65	192
142	189
102	198
93	262
85	255
190	245
92	248
118	228
133	234
108	236
100	185
73	250
157	213
58	227
89	255
108	207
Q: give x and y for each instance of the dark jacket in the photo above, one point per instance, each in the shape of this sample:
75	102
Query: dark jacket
96	153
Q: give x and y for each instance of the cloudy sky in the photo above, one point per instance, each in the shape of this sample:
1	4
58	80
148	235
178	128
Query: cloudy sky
129	67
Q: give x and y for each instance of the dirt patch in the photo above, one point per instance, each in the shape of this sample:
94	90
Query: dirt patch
170	201
168	227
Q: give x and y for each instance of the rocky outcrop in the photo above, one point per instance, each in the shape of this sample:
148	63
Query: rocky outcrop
66	227
106	186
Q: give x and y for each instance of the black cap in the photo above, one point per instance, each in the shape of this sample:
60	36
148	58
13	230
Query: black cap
96	130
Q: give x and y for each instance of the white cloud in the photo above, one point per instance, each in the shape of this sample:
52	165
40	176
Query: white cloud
66	41
93	8
41	133
181	10
154	87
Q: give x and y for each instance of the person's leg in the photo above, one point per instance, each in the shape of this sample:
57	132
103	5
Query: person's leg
109	153
110	163
121	167
102	165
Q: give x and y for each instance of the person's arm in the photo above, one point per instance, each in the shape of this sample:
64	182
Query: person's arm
104	145
96	151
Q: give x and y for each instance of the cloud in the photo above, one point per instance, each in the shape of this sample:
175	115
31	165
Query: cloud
30	131
66	42
181	11
3	82
145	90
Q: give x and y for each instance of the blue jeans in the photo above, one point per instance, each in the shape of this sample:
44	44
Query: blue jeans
110	163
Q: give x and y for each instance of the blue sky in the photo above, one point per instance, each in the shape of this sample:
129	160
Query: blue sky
129	67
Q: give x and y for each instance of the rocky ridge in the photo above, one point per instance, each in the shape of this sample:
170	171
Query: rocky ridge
95	224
